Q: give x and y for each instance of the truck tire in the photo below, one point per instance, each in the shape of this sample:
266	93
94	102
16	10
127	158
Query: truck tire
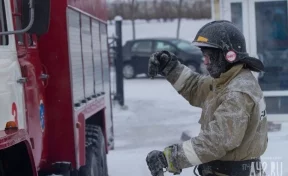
96	161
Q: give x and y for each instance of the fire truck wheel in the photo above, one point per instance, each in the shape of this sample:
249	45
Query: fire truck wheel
96	162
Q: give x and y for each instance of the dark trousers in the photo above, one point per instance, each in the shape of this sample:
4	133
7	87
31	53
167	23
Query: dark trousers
231	168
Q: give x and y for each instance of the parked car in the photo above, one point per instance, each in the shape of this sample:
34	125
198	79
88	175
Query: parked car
136	54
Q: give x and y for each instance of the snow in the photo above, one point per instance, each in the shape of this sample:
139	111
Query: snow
156	117
154	28
118	18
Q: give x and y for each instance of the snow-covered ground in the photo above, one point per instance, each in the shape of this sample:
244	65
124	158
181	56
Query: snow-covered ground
156	117
188	29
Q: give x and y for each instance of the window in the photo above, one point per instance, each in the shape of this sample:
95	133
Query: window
142	46
272	43
271	25
3	24
17	16
236	15
184	45
164	46
30	41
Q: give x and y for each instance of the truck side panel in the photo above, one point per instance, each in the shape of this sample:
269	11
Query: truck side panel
67	51
75	56
97	57
87	56
92	50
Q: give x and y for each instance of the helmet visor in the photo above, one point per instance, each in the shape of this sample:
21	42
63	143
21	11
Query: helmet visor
207	45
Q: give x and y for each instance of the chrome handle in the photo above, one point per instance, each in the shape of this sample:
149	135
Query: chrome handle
22	80
44	76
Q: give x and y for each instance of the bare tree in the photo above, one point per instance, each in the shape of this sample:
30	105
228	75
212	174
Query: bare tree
146	13
179	17
159	9
132	4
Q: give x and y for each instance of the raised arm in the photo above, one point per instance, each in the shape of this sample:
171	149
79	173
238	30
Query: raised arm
191	85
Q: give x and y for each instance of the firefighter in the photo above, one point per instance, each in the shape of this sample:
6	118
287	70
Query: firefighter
233	133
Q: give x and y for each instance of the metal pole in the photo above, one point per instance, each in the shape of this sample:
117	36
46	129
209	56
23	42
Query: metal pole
119	62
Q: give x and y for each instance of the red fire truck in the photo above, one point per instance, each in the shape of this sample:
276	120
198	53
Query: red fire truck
55	105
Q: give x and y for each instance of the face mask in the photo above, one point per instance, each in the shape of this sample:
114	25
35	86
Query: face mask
215	62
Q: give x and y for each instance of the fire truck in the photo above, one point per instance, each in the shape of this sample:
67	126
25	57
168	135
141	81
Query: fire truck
55	103
264	24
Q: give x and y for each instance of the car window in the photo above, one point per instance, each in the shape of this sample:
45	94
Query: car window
142	46
164	46
3	24
186	46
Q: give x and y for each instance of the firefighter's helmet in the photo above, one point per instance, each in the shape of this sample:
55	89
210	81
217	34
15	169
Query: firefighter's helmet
224	35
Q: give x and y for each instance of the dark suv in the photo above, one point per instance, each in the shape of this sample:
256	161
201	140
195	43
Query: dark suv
136	54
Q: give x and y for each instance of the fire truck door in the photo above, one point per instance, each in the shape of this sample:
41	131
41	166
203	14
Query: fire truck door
34	95
31	69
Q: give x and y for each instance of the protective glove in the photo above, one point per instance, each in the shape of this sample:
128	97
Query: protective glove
158	160
162	62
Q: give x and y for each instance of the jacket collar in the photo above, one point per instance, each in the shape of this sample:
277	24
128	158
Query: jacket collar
226	77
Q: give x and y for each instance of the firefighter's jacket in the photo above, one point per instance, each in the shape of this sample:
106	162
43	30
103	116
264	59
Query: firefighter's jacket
233	120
